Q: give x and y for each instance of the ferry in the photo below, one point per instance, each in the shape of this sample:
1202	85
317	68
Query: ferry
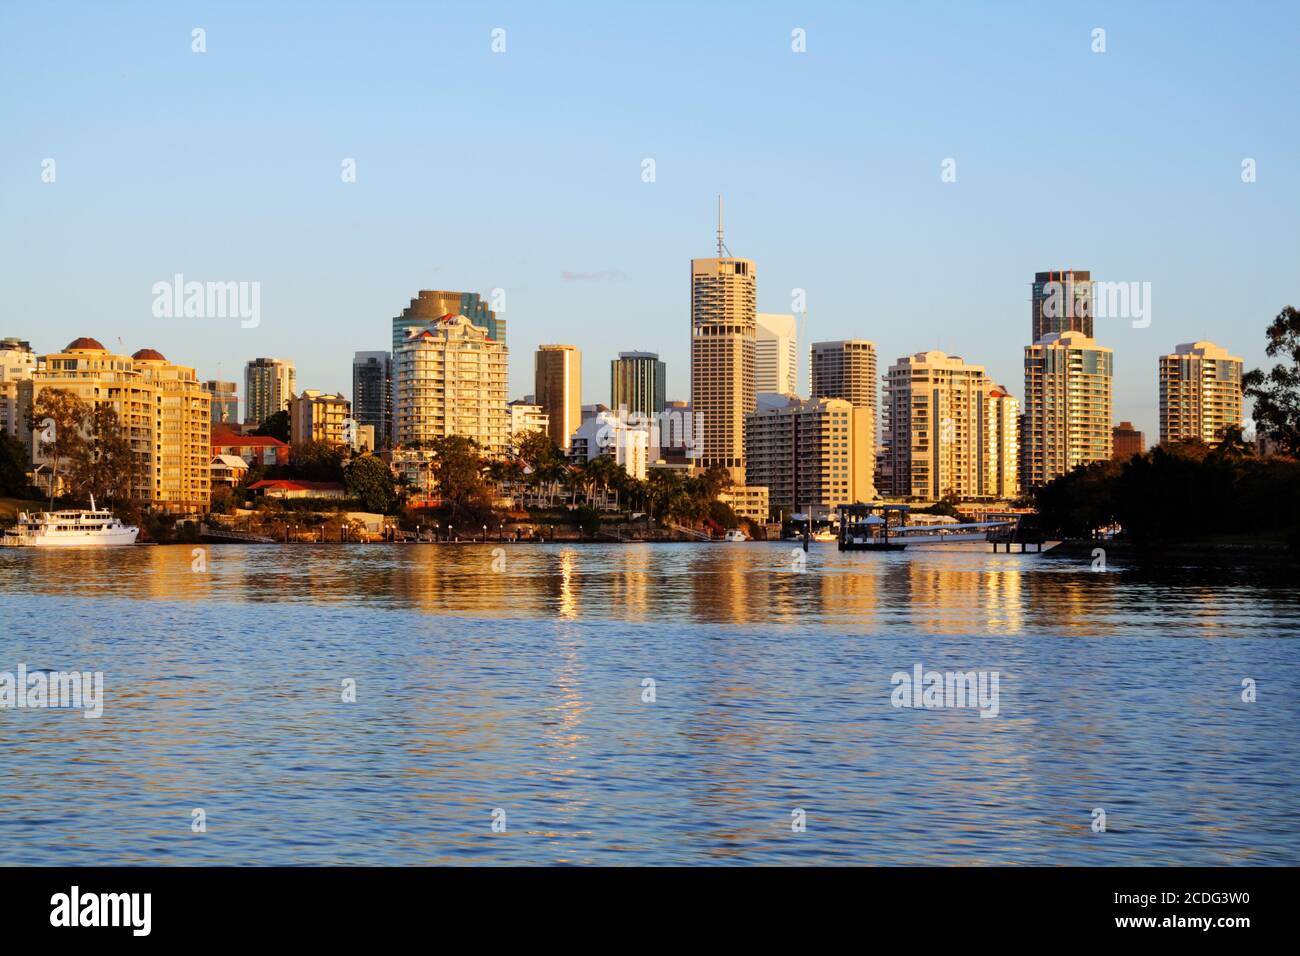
73	528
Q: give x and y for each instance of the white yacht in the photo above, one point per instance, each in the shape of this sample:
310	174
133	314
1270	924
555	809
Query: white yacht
74	528
735	534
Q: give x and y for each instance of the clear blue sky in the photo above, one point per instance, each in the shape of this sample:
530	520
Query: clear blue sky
478	170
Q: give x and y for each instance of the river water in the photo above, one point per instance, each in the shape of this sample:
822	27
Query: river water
512	686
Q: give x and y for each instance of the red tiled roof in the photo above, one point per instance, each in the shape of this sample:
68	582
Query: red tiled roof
224	436
85	343
149	355
287	485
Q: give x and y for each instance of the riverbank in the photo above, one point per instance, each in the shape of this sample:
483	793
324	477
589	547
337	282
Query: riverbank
1271	549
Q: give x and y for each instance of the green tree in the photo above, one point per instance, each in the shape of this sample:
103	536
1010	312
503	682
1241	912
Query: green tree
57	415
457	472
13	468
276	426
104	464
1276	393
370	480
317	461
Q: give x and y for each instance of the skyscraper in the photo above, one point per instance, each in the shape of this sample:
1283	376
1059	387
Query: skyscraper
935	419
847	370
269	383
1200	392
1061	302
451	380
776	354
225	401
723	339
429	306
1001	445
372	393
558	387
1067	419
637	383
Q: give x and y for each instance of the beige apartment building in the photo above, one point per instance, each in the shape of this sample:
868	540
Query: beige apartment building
1001	444
933	426
723	358
17	364
558	387
1200	392
810	455
269	384
162	407
1067	416
450	379
776	353
317	416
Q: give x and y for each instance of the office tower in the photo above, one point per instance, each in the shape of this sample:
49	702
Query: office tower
811	455
163	410
1061	302
637	382
558	385
431	306
723	344
776	354
1000	444
17	363
317	416
372	393
1200	392
847	370
269	383
450	379
1126	441
1067	415
225	401
935	417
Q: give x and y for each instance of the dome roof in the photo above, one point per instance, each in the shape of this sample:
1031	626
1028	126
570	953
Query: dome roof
148	355
84	343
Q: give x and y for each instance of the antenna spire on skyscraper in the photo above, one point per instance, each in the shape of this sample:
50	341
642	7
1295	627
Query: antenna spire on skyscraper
723	251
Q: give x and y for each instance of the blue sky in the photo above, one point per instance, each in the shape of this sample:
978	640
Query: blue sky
480	170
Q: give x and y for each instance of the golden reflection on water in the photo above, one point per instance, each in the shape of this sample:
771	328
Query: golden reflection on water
938	592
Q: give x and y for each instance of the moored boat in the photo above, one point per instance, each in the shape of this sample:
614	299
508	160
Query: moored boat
70	528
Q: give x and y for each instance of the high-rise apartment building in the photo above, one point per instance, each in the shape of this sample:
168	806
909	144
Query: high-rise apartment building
1001	445
162	409
372	393
723	351
317	416
432	306
1062	302
845	369
526	416
811	455
1126	441
557	373
637	381
1067	417
776	354
225	401
17	364
269	383
936	418
1200	392
450	379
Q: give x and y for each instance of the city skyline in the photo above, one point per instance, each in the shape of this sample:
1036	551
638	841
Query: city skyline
573	235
